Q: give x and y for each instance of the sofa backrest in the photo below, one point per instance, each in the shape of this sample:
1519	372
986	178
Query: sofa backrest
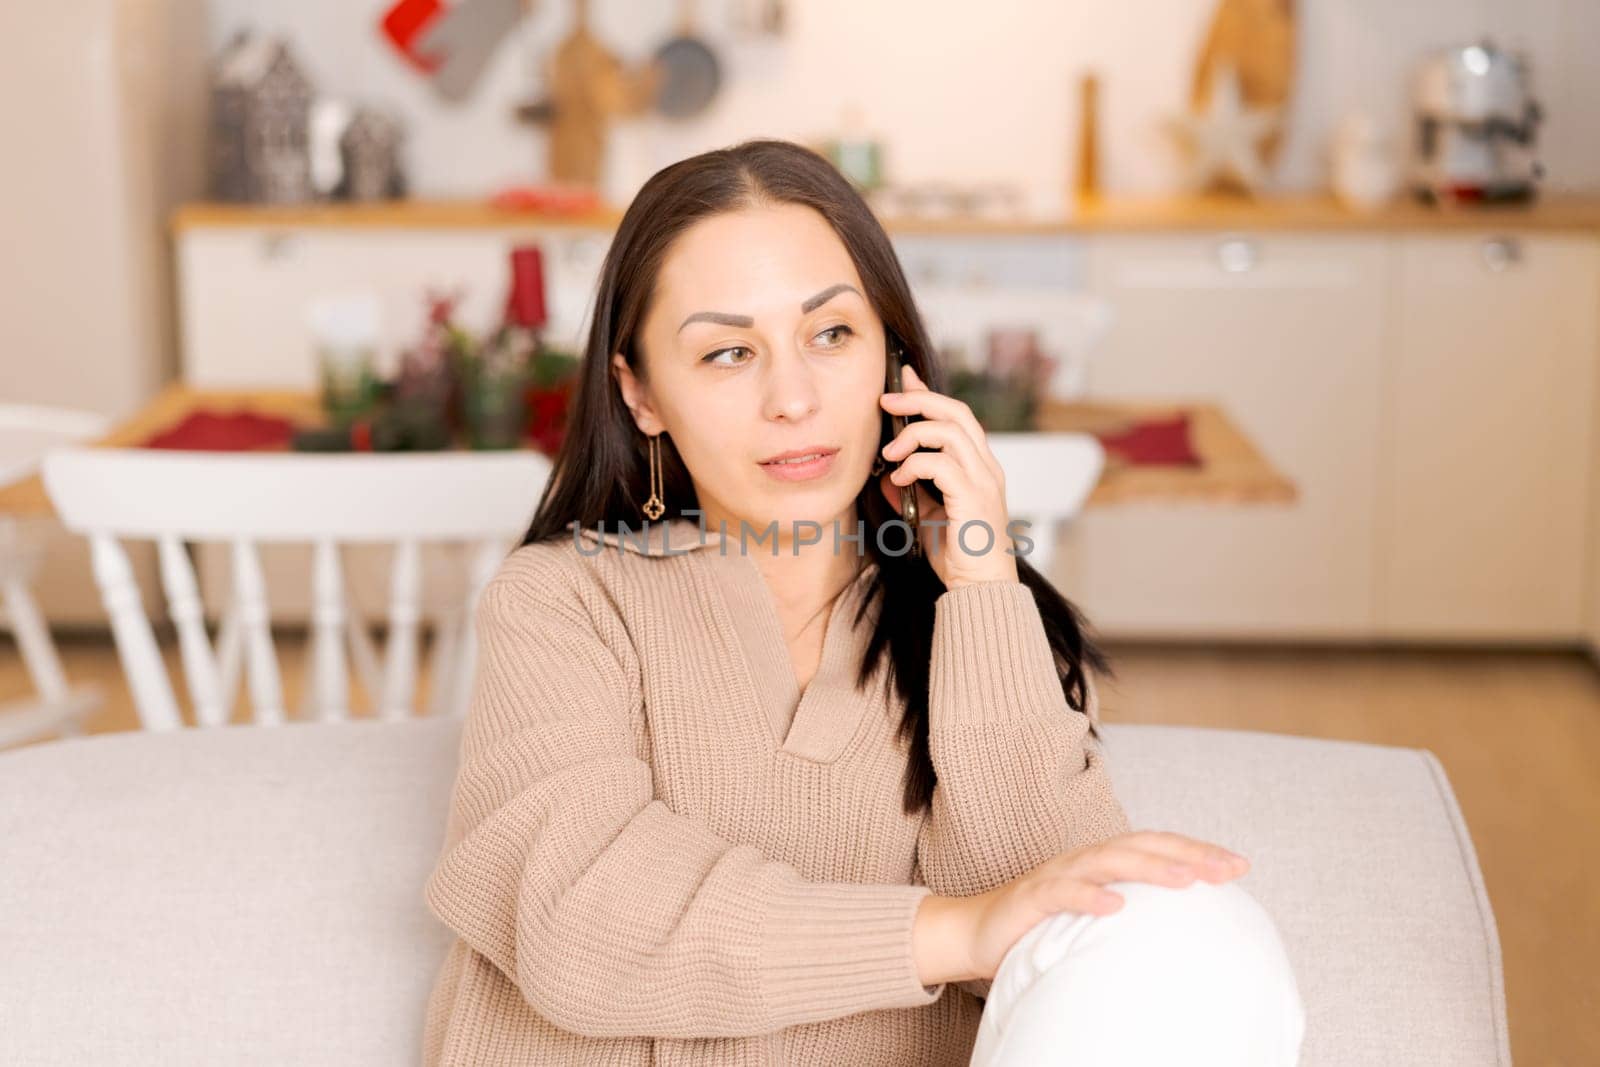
250	894
238	895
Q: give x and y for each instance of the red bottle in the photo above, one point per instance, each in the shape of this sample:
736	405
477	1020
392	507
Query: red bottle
525	302
494	387
518	339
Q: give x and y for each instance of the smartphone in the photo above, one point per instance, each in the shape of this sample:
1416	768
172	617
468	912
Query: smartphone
897	423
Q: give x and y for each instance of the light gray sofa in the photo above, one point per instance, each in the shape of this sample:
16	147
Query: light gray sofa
253	895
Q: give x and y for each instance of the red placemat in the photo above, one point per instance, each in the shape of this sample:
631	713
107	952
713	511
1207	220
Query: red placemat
1159	441
232	431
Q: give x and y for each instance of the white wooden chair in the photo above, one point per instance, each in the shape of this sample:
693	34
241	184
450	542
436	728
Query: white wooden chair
27	432
478	502
1048	478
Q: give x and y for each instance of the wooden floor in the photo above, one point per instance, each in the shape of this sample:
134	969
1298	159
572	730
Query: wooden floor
1518	733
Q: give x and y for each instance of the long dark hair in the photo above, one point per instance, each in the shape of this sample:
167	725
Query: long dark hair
601	473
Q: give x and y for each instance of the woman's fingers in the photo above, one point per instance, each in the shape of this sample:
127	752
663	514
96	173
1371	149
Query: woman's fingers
951	436
1085	887
915	398
1178	846
944	470
1140	854
1182	846
945	435
934	433
1078	880
1074	894
1127	864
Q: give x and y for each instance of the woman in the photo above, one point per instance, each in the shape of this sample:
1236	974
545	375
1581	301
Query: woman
736	789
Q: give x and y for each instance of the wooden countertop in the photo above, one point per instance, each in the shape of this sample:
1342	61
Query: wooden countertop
1104	214
1234	472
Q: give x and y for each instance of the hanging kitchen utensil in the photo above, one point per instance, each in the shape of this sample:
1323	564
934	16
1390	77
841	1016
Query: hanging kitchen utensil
404	23
535	112
691	72
589	88
464	39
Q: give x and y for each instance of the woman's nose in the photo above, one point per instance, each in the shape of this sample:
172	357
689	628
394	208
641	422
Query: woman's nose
791	389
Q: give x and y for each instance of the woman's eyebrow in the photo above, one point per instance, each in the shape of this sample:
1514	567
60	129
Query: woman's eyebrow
828	294
745	321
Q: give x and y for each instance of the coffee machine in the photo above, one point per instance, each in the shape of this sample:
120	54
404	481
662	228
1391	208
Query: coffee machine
1475	122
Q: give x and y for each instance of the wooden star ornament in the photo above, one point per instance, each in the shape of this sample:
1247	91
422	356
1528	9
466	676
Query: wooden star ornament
1224	140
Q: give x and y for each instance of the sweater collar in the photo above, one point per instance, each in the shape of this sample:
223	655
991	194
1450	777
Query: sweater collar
661	537
676	536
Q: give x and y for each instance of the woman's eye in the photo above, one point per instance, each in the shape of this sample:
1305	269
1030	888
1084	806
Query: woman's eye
837	333
712	357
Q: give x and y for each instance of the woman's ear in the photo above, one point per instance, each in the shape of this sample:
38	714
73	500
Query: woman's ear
636	396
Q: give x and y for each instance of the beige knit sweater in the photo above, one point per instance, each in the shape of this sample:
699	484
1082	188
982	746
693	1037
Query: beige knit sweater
660	851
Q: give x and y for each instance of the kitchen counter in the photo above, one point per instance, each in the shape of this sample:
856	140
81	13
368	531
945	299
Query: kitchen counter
1298	212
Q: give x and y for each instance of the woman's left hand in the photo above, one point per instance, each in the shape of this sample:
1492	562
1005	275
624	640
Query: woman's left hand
966	472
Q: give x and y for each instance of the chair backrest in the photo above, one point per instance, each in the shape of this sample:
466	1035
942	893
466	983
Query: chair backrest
1048	478
28	431
479	503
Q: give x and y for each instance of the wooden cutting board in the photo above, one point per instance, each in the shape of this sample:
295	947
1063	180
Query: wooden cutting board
1258	38
590	87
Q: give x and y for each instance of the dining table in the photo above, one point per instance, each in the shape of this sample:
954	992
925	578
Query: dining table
1223	465
1154	450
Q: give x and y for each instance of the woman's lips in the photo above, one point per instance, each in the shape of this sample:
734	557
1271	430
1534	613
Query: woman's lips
801	470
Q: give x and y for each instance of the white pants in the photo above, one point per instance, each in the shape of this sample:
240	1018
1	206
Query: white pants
1194	975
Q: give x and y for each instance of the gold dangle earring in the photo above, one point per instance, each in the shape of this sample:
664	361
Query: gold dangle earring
654	506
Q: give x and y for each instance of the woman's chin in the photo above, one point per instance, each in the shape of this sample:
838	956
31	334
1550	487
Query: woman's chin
811	515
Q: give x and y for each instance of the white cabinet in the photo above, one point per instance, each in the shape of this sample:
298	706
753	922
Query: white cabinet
245	290
1484	516
1286	333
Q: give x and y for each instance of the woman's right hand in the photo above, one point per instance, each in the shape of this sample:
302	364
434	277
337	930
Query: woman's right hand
990	923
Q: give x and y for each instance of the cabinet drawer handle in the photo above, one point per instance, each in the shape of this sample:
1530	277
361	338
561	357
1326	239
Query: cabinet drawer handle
1236	255
277	245
1501	252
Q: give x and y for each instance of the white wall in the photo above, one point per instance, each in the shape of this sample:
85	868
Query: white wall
103	122
965	91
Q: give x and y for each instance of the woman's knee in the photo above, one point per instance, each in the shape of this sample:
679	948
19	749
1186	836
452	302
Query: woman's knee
1199	924
1204	958
1205	934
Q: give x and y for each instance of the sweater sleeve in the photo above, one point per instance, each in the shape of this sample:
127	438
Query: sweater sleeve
1019	777
612	914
